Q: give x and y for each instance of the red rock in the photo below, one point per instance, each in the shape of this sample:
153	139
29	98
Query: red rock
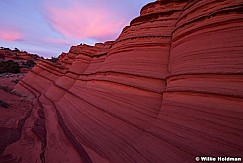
2	56
167	89
6	53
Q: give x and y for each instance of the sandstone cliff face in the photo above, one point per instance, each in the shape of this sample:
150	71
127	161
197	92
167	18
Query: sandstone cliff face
169	88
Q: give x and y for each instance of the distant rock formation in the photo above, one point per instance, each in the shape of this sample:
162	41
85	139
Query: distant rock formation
16	61
168	89
16	54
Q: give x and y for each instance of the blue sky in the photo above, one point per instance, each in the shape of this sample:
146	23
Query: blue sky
49	27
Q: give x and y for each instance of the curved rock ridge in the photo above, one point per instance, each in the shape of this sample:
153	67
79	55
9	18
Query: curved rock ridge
168	89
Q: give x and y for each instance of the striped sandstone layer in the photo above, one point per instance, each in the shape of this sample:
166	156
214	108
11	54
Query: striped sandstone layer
169	88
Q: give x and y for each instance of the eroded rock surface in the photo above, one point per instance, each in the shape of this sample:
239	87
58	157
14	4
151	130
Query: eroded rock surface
168	89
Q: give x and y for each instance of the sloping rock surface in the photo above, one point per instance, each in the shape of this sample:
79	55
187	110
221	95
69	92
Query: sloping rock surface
168	89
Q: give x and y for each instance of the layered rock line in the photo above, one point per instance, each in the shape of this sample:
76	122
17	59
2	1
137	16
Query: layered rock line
202	104
167	89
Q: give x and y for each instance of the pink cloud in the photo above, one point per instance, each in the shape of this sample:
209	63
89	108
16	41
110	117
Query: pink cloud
9	33
82	22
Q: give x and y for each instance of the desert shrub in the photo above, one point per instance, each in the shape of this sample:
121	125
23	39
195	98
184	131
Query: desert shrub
4	104
29	63
53	59
9	67
6	49
16	50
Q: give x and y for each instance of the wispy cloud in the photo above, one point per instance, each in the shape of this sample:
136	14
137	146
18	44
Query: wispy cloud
9	33
83	21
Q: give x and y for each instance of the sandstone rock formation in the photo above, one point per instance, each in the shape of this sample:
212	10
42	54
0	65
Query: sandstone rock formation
168	89
16	54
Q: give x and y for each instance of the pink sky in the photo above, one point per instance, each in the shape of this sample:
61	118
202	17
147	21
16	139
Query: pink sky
10	34
50	27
